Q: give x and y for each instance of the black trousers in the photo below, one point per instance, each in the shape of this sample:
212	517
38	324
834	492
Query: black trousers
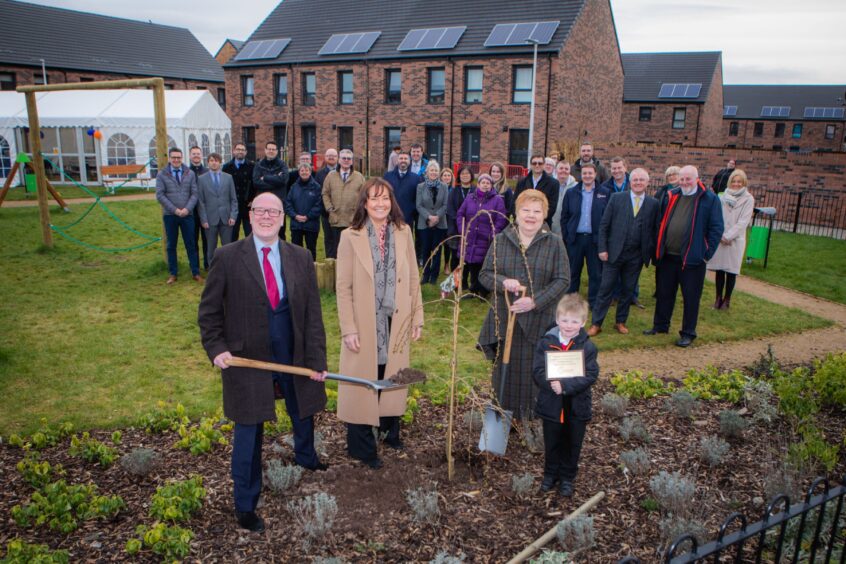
361	439
562	446
297	236
332	252
669	275
583	250
198	233
243	219
627	268
329	242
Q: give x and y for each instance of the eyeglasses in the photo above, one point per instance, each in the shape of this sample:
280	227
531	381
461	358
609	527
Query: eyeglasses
270	212
346	158
537	163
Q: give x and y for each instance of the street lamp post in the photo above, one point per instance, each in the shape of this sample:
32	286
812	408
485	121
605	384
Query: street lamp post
532	110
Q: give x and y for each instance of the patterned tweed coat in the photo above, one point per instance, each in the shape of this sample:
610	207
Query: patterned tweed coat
545	273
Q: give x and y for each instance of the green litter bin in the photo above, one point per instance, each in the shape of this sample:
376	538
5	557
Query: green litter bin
758	245
31	184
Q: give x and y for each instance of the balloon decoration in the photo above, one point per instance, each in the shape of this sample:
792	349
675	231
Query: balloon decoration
98	134
90	132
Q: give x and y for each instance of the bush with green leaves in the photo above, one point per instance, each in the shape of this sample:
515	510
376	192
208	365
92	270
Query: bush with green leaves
92	450
172	543
682	404
614	405
673	492
315	514
711	384
38	473
813	451
282	424
178	501
522	485
201	438
424	505
282	477
18	551
635	461
46	436
61	507
165	417
732	424
140	461
830	379
713	450
634	384
761	401
576	535
796	396
634	429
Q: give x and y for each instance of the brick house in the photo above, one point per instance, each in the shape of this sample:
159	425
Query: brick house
228	50
673	98
785	117
395	77
82	47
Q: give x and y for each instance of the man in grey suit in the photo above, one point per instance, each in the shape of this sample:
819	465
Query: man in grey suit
176	191
626	242
218	205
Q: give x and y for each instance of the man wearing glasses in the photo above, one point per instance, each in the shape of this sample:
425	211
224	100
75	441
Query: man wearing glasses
261	302
176	192
340	195
540	180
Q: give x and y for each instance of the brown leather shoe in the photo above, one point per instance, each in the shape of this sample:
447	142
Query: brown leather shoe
170	280
198	278
621	328
594	330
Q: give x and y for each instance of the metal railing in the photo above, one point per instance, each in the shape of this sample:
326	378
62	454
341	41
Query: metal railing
812	531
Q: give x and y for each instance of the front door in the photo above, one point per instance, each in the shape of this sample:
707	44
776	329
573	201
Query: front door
435	144
471	144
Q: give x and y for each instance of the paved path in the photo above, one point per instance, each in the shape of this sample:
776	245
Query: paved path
72	201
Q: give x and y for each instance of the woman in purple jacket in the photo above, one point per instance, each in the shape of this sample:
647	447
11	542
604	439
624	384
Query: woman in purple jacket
481	216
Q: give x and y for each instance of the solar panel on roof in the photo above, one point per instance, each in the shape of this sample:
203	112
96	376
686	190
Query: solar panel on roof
451	37
682	90
262	49
825	113
518	33
331	44
412	39
729	111
433	38
775	111
349	43
430	39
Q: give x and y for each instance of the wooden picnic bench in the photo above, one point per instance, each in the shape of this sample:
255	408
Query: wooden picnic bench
115	174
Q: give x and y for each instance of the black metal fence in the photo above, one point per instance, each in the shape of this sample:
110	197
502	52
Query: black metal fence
812	531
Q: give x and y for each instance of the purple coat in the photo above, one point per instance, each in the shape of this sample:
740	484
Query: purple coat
481	232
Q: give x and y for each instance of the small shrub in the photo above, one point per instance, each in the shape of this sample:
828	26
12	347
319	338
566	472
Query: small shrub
713	450
201	438
636	461
117	436
614	405
711	384
522	485
411	408
761	401
732	424
61	507
672	527
813	451
38	473
172	543
443	557
796	397
165	417
782	477
552	557
673	492
282	424
830	379
650	504
531	432
46	436
576	535
765	366
140	461
315	515
18	551
178	501
282	477
319	444
633	428
424	505
634	384
682	404
92	450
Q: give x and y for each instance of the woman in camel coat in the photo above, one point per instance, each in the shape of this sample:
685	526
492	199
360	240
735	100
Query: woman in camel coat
381	312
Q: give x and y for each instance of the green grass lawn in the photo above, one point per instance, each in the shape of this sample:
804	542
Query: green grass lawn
97	338
70	191
815	265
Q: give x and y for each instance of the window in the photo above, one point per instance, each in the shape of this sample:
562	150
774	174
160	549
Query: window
518	146
218	144
679	115
227	147
221	97
778	148
248	135
393	86
204	145
797	130
309	139
733	128
120	150
151	151
166	86
779	130
393	138
39	79
192	142
645	113
8	81
345	138
5	158
758	130
86	79
280	89
309	89
201	88
345	87
280	135
437	86
473	79
522	85
248	91
829	132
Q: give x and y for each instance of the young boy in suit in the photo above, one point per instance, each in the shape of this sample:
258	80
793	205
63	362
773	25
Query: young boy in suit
564	404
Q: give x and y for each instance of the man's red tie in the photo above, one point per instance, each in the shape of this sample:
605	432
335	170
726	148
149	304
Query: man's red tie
270	280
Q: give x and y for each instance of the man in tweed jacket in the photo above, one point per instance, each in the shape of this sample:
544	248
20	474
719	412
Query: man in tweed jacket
176	192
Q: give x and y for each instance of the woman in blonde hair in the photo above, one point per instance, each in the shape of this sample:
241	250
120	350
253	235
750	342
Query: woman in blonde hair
501	187
738	205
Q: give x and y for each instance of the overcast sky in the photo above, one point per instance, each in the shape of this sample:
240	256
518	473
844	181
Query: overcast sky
763	41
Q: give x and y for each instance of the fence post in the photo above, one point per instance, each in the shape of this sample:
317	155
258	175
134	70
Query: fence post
798	208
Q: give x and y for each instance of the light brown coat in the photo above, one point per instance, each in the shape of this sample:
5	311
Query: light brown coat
730	257
340	198
356	296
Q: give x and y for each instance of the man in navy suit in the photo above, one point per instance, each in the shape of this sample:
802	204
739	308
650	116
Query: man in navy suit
584	205
626	242
404	182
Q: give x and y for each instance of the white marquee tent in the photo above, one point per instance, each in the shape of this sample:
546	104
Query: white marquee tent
125	119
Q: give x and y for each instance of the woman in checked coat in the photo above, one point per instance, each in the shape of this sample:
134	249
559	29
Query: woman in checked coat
525	254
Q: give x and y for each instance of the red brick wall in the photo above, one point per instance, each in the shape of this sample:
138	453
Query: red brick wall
26	76
660	128
813	135
226	52
711	118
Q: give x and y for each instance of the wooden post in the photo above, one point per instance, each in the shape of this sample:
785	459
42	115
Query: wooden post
9	180
56	196
38	166
161	140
